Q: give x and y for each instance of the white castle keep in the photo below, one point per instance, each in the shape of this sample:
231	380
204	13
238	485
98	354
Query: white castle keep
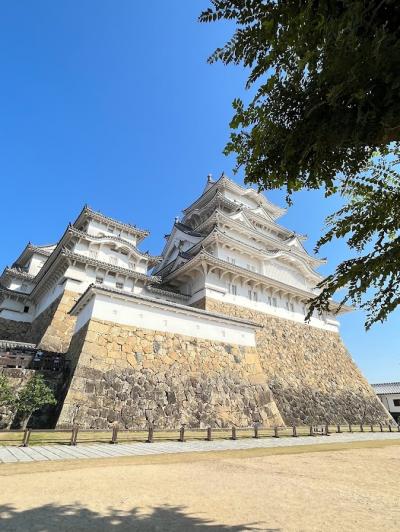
211	331
228	246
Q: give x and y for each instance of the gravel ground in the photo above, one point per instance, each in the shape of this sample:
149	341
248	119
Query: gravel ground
356	489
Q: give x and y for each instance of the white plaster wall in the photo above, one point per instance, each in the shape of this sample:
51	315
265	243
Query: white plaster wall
15	315
97	228
242	200
102	251
35	264
281	272
20	285
178	322
48	298
388	401
216	288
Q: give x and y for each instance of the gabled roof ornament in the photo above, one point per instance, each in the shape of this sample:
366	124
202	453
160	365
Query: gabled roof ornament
209	178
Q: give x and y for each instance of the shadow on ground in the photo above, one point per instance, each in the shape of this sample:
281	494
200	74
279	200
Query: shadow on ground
60	518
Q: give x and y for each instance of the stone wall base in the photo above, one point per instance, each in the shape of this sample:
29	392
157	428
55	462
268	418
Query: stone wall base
309	371
135	377
52	330
17	331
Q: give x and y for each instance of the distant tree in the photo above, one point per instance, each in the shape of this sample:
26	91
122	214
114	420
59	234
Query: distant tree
325	114
32	397
7	397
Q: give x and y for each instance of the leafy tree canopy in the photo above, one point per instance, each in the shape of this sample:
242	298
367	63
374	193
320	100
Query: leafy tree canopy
7	397
327	101
33	396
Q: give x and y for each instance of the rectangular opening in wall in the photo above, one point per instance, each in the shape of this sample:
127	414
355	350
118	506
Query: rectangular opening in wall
232	289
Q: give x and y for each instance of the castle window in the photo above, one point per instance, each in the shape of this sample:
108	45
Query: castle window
132	265
396	402
232	289
113	260
119	285
26	309
274	302
287	305
291	307
99	280
93	254
253	296
231	260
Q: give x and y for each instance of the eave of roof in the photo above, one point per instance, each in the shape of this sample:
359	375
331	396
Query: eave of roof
218	234
224	180
152	259
29	250
386	388
110	267
266	237
88	212
207	257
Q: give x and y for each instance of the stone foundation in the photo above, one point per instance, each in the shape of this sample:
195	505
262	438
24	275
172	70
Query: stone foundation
52	330
309	371
17	331
136	376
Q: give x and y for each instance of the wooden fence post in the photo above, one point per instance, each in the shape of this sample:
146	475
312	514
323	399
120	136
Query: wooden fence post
74	435
327	429
294	431
372	428
234	433
381	427
209	436
276	433
114	437
182	434
25	439
255	431
150	436
361	427
350	429
390	427
311	430
338	429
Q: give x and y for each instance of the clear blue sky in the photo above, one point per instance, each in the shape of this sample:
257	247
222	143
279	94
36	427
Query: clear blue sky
113	104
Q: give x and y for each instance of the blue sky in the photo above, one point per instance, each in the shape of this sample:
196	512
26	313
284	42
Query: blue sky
113	104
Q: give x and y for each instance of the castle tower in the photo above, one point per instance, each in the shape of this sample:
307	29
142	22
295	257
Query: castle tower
230	255
39	290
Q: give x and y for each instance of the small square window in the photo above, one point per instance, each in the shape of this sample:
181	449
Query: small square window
26	309
396	402
120	286
99	280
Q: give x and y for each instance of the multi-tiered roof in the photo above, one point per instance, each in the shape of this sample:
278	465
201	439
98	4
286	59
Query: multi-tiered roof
39	267
233	231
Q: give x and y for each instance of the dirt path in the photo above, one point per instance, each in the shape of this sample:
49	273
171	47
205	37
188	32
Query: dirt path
343	490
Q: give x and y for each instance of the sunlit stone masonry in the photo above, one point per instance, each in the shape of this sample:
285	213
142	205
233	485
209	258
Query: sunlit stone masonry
209	333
